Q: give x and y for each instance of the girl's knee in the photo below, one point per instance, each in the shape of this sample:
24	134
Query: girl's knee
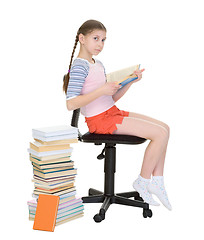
167	129
163	134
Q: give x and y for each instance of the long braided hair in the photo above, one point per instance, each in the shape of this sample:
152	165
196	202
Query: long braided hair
86	27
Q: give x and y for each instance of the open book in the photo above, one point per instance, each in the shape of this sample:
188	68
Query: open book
123	76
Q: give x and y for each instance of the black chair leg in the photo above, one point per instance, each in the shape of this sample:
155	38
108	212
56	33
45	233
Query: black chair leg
101	215
93	199
133	194
130	202
129	194
93	191
109	197
117	199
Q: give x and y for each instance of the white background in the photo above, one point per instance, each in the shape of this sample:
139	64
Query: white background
166	38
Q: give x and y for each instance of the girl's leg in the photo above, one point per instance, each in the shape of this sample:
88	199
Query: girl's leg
154	157
141	116
149	130
159	168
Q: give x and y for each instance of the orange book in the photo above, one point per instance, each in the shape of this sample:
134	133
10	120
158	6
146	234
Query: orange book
46	212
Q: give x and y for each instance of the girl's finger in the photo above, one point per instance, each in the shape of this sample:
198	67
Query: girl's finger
139	71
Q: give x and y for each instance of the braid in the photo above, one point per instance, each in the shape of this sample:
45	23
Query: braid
66	77
76	41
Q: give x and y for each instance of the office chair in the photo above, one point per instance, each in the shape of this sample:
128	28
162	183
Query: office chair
109	153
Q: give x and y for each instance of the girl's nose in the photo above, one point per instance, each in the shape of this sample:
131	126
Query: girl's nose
100	44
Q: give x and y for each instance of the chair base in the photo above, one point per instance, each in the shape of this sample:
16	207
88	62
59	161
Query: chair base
96	196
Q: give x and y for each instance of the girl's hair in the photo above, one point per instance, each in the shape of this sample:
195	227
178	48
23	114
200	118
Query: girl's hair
86	28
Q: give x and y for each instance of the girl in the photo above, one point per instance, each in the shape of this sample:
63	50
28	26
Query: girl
86	88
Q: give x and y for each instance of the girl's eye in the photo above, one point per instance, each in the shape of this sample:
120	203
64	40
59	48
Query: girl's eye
96	38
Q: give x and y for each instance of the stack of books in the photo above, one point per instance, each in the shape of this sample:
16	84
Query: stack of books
53	170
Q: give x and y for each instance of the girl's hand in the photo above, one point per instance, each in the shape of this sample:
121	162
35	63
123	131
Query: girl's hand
138	73
110	88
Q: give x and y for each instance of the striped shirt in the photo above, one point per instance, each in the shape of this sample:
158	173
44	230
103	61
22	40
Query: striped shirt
84	78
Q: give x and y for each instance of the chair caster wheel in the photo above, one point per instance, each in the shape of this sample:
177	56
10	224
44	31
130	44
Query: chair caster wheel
98	217
147	213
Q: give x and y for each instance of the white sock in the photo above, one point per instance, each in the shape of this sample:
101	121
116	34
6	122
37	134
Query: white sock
140	185
156	186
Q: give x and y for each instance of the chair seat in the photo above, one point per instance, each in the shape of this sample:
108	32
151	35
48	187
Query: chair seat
111	138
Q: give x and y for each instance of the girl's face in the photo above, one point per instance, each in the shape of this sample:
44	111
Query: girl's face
93	42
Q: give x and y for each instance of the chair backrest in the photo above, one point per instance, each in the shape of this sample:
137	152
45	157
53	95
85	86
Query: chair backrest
75	120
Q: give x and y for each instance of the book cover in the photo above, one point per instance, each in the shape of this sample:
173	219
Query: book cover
123	76
55	138
49	153
51	158
74	216
56	165
60	173
59	193
62	196
55	130
45	170
55	179
51	186
64	141
46	212
54	190
39	147
129	78
66	209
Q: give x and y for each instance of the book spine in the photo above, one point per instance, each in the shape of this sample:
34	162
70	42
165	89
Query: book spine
56	210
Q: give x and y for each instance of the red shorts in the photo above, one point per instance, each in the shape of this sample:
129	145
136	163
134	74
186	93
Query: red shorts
105	123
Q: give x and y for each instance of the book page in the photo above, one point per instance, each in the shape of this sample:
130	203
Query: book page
121	74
